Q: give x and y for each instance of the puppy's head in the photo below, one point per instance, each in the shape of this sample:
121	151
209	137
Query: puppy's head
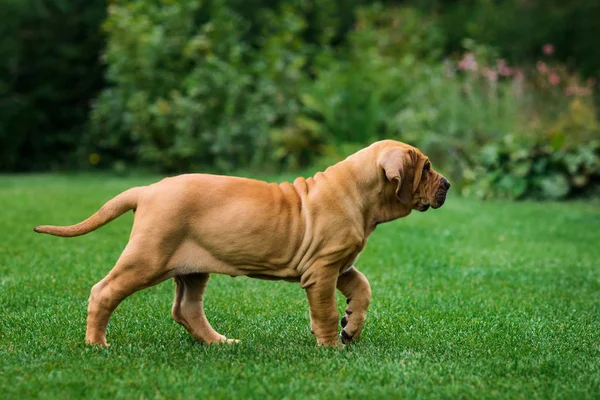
417	185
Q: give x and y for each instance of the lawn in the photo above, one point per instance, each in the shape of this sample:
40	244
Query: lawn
474	300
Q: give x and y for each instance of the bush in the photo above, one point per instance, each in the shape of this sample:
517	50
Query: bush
552	151
49	72
389	81
214	85
516	169
197	85
519	29
188	91
497	130
359	88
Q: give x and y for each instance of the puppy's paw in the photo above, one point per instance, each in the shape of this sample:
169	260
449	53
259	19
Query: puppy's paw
345	337
344	320
225	340
221	340
96	341
334	343
97	344
352	323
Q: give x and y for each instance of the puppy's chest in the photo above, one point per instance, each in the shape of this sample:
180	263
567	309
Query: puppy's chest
348	265
351	257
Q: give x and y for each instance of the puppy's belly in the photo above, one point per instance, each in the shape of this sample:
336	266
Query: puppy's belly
191	258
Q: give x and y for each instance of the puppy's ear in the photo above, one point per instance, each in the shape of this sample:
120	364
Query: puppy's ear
419	165
398	166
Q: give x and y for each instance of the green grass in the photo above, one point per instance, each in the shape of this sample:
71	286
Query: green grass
476	300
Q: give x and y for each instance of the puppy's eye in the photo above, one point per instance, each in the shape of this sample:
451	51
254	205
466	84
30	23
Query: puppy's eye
426	168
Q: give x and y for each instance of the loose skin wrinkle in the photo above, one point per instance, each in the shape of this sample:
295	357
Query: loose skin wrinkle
270	212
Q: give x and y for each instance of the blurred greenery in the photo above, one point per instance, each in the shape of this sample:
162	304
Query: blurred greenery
520	28
49	73
499	94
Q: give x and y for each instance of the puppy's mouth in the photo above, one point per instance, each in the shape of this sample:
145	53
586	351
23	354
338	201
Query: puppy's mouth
440	199
422	207
440	195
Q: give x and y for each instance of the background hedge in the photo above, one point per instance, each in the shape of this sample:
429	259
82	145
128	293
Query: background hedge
499	93
49	74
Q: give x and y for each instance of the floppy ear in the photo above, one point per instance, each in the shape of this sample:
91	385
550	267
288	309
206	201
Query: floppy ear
420	163
398	165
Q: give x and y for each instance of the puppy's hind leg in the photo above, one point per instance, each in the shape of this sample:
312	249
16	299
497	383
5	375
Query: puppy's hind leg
188	308
136	269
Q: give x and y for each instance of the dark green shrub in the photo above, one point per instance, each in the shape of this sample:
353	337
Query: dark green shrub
186	90
517	169
520	28
359	89
49	72
561	162
222	86
215	85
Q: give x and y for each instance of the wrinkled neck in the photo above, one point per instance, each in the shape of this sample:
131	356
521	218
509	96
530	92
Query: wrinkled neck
369	196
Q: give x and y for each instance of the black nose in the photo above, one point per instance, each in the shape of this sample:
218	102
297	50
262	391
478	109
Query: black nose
445	183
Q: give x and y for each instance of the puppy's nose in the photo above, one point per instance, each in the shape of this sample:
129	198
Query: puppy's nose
445	183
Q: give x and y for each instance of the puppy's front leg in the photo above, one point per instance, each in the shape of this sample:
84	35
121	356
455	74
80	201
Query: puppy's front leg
320	291
355	287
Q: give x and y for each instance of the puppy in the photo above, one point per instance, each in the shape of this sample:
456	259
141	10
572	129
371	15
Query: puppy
309	231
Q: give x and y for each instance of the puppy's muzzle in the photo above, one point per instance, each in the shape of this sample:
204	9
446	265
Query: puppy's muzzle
440	195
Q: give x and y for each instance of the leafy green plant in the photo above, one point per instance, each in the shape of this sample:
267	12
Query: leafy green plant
519	29
451	113
359	88
223	86
562	161
188	91
501	132
517	169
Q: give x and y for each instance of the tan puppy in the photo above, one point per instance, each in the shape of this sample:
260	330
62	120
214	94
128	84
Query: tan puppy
311	231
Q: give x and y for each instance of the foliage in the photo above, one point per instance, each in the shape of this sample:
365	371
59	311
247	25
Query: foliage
49	72
520	28
460	113
196	84
231	84
187	90
552	149
516	169
359	88
503	131
228	84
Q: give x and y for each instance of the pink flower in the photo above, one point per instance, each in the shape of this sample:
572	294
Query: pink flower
553	79
576	90
541	67
490	74
548	49
517	82
519	76
503	69
468	62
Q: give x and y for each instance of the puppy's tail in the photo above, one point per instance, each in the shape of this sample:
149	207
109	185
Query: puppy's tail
117	206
